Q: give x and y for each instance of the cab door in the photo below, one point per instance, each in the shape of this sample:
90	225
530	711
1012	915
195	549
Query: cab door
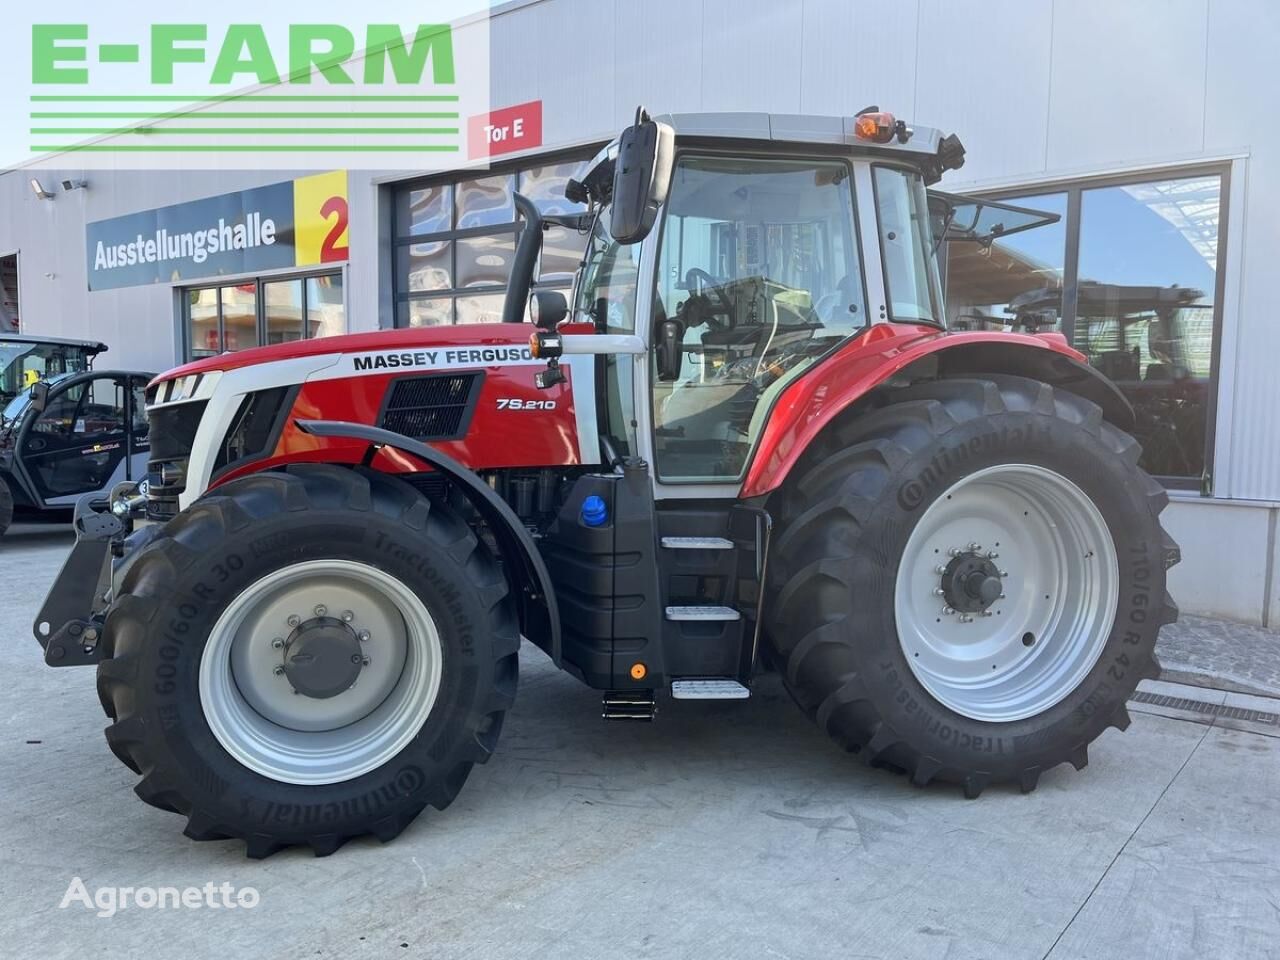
79	443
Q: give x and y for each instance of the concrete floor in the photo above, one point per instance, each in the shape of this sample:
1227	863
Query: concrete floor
722	830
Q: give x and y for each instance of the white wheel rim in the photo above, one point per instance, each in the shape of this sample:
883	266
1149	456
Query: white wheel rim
252	707
1031	647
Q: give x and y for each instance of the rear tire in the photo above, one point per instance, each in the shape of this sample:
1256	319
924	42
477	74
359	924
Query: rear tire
846	569
197	700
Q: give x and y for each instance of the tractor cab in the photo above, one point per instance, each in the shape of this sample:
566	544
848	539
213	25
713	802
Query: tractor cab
730	254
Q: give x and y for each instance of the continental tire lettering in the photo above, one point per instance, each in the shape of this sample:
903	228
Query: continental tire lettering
915	491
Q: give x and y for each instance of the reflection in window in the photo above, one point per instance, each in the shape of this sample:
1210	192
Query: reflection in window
326	306
240	317
429	210
1145	308
1014	280
246	314
282	304
455	240
485	261
483	203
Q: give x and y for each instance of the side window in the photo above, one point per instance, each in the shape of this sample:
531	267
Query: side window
906	246
90	409
759	264
138	406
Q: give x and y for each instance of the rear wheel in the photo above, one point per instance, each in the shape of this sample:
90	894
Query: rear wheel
968	582
309	656
6	506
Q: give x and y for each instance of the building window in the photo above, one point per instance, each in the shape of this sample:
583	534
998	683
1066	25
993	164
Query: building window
264	311
455	242
1130	276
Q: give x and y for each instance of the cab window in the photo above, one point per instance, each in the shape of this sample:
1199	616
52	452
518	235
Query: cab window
759	264
906	246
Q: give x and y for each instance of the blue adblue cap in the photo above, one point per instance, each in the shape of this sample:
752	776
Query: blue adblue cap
594	511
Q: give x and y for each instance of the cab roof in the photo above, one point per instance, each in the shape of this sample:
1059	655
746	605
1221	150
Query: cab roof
795	128
89	346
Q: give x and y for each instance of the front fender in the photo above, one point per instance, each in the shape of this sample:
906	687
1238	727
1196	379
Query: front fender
887	350
524	562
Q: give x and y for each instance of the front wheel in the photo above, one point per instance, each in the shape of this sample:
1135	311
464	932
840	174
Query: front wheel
308	656
968	582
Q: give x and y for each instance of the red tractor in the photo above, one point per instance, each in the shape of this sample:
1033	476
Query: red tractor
749	443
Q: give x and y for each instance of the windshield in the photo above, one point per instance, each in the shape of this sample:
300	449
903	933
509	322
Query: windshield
23	363
18	405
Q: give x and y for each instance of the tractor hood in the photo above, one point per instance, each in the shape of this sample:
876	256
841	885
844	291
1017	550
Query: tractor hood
480	338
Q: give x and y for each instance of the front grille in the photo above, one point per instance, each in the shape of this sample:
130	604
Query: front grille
255	430
173	429
172	435
433	407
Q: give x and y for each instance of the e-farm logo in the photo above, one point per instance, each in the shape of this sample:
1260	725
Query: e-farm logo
203	90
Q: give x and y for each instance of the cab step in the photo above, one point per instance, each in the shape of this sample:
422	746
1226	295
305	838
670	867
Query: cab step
708	689
628	705
697	543
709	613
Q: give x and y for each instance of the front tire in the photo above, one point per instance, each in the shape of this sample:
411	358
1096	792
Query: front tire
308	656
910	638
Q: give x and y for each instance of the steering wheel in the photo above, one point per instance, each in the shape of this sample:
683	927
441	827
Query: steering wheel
694	274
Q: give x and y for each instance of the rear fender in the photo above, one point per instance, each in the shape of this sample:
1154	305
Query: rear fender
539	613
898	353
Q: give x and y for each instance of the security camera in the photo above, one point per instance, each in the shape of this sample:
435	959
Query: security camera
69	185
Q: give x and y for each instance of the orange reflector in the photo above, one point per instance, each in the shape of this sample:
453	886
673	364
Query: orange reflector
876	127
639	671
534	346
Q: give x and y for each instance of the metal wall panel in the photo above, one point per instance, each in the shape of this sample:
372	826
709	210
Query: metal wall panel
857	53
1241	92
1127	81
751	55
993	91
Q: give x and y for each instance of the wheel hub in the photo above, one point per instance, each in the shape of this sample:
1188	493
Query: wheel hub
971	582
322	658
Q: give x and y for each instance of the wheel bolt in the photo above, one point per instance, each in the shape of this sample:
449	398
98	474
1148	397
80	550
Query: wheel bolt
965	618
293	620
939	592
278	643
947	611
364	636
987	613
347	616
321	610
1004	573
940	568
1002	596
975	547
954	552
991	554
278	671
365	662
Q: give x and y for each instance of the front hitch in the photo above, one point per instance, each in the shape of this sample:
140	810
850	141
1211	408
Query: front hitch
69	625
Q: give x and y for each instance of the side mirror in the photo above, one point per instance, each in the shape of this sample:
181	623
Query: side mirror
39	396
641	176
547	308
670	350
